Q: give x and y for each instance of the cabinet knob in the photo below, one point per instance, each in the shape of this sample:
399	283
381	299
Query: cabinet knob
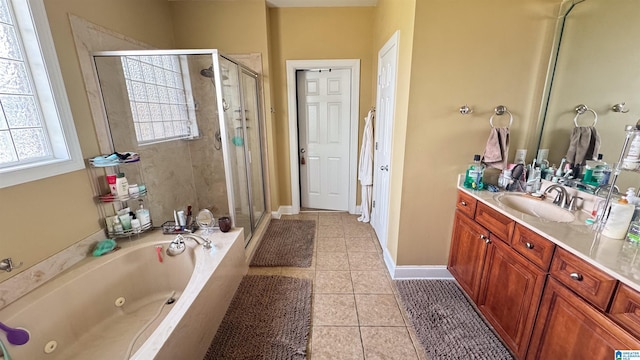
463	203
576	276
485	238
529	245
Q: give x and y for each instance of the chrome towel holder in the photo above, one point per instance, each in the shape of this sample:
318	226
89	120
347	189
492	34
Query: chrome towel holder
499	111
580	110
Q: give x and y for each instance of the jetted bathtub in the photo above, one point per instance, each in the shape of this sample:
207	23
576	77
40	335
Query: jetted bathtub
129	304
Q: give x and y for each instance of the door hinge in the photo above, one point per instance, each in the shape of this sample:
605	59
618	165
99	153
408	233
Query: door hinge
376	145
373	204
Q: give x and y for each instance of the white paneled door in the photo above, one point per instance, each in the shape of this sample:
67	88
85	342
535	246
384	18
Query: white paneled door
385	103
324	108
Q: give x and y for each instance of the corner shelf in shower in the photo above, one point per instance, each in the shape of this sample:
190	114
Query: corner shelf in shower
103	199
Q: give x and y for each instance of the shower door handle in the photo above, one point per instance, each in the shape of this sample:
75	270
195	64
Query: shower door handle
302	151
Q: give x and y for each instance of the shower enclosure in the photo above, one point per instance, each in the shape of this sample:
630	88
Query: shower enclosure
195	118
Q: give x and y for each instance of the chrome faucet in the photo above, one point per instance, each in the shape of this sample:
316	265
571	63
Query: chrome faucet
177	246
8	265
598	189
561	195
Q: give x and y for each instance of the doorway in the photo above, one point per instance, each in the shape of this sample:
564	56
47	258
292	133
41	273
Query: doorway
348	166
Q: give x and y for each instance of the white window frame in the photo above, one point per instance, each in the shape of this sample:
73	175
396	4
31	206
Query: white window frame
41	58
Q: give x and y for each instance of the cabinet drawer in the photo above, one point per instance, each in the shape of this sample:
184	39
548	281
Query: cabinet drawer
625	309
466	204
592	284
534	247
496	223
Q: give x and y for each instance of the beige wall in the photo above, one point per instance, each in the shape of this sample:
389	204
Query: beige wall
43	217
481	53
236	27
310	34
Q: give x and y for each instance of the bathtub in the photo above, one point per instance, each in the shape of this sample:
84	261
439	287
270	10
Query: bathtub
128	304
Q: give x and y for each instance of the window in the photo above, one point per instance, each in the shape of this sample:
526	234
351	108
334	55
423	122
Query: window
160	105
37	134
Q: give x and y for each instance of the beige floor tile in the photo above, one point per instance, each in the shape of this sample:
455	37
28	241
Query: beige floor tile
370	282
334	310
332	261
332	245
361	230
365	261
333	282
264	271
422	355
336	343
330	220
364	244
378	310
330	231
388	343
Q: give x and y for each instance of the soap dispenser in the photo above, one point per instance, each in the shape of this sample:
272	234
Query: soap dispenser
474	174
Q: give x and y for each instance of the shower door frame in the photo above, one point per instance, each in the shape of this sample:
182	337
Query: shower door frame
254	223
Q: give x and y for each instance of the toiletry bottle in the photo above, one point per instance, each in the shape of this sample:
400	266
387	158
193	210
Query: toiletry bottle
599	169
142	214
117	226
559	172
111	180
122	186
474	174
619	219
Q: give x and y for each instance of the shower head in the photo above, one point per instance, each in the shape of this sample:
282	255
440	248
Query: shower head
208	72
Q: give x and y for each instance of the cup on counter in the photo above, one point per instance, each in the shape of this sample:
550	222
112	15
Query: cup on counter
224	223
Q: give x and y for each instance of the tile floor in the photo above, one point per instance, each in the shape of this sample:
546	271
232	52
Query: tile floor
355	307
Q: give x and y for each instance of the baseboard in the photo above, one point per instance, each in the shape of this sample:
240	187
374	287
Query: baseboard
402	272
282	210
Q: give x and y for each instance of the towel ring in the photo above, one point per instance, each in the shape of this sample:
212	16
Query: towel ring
581	109
500	110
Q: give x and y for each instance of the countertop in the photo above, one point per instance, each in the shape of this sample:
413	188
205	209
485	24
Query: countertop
576	237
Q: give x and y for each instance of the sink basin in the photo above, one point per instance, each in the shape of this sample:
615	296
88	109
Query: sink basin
534	207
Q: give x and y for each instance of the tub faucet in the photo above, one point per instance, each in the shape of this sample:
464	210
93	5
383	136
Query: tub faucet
177	246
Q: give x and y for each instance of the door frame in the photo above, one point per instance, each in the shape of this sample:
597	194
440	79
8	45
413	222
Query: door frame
292	67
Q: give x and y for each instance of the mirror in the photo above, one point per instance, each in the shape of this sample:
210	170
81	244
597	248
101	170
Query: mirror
597	65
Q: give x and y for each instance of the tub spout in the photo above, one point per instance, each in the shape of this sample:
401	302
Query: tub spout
177	246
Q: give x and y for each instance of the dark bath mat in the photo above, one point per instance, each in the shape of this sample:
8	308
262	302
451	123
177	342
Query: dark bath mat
447	325
286	243
268	319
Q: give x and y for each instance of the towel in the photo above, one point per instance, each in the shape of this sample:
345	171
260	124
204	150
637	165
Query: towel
497	149
584	144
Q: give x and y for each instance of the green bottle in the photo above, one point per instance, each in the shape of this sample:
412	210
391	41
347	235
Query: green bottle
475	172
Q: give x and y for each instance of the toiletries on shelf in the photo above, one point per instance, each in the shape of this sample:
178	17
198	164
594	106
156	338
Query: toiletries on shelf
111	180
474	176
117	226
142	214
122	186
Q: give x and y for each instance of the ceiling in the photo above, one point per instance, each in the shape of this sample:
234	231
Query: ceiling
321	3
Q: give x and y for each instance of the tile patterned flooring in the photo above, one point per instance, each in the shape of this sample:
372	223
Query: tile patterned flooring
356	312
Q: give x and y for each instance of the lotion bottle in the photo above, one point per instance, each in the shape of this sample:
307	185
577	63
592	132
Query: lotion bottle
122	186
143	215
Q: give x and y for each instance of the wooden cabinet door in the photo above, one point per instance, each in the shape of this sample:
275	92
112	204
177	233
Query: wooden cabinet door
510	294
569	328
468	249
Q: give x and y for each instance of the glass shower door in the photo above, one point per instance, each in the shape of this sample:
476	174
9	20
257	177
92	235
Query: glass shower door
235	138
253	145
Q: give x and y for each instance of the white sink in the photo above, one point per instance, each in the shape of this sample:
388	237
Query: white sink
534	207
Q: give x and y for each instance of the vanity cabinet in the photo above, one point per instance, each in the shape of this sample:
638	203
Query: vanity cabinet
567	327
509	295
504	284
543	301
468	249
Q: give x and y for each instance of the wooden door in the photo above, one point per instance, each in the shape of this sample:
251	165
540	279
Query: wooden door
510	293
569	328
468	249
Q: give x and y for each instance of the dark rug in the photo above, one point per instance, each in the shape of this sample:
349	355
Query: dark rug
269	318
447	325
286	243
